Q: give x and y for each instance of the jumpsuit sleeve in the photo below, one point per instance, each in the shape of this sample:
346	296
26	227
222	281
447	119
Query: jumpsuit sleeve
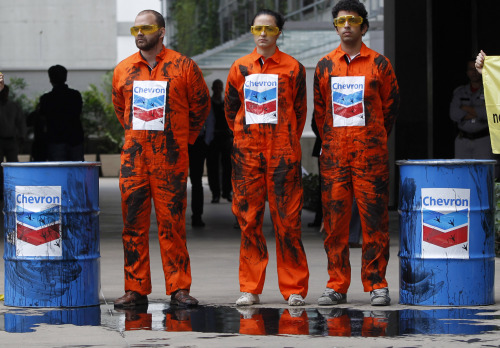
319	103
199	101
232	102
300	102
118	99
389	94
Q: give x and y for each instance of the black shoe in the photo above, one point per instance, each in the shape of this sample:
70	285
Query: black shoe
215	199
196	221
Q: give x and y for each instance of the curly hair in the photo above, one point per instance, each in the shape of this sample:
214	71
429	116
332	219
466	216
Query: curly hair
352	6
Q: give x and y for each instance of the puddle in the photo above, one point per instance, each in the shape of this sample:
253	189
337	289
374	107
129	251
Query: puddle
261	321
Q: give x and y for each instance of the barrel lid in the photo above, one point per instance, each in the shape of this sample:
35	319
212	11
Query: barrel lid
52	164
445	162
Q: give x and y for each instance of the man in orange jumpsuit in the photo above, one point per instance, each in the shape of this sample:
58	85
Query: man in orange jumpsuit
265	105
162	101
356	100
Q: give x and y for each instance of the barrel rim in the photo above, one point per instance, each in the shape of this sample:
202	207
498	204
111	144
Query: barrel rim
438	162
52	164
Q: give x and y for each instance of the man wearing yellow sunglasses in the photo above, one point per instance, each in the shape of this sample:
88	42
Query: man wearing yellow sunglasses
162	101
356	100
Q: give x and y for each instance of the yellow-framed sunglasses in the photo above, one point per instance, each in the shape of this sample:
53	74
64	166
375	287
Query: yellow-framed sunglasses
268	29
352	20
145	29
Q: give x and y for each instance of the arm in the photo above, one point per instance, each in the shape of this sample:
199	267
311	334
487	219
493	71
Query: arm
457	113
300	102
209	127
118	99
232	102
319	104
389	94
198	99
20	124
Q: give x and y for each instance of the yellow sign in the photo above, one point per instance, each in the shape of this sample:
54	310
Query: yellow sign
491	83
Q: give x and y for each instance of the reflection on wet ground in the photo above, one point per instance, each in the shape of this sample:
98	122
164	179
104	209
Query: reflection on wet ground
329	321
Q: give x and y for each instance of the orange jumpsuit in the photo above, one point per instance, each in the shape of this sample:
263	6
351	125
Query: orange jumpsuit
355	106
161	110
266	109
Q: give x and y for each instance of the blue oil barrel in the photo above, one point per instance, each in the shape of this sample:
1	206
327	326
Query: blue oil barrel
446	214
51	225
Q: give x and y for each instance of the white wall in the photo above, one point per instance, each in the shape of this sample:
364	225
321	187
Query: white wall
76	34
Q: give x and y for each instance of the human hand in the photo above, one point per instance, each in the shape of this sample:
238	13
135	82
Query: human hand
480	61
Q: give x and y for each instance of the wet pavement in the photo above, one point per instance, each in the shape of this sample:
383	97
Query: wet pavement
217	322
329	321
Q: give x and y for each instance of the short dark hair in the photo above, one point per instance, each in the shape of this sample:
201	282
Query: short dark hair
217	82
280	20
160	21
351	6
58	74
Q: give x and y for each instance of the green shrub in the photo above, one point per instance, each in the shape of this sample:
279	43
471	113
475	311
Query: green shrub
99	118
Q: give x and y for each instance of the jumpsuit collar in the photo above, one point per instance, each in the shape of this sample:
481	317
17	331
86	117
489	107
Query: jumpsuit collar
276	57
363	52
139	59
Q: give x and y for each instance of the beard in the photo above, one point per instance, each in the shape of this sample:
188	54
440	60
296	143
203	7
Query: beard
147	44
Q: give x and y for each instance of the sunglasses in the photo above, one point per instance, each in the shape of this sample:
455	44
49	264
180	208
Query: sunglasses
145	29
268	29
342	20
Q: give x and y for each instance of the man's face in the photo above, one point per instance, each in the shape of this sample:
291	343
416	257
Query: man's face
148	42
472	73
350	33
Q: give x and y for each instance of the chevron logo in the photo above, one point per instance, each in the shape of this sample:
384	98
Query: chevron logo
38	227
445	223
149	100
261	98
38	221
347	100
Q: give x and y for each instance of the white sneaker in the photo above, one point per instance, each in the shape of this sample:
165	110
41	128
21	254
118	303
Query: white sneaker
380	297
247	299
296	300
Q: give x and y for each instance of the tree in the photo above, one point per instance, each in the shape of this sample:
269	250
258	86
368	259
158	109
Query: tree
197	26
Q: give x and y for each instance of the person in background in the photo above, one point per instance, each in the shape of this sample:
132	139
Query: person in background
266	105
468	111
356	101
219	152
197	154
12	129
162	101
61	109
